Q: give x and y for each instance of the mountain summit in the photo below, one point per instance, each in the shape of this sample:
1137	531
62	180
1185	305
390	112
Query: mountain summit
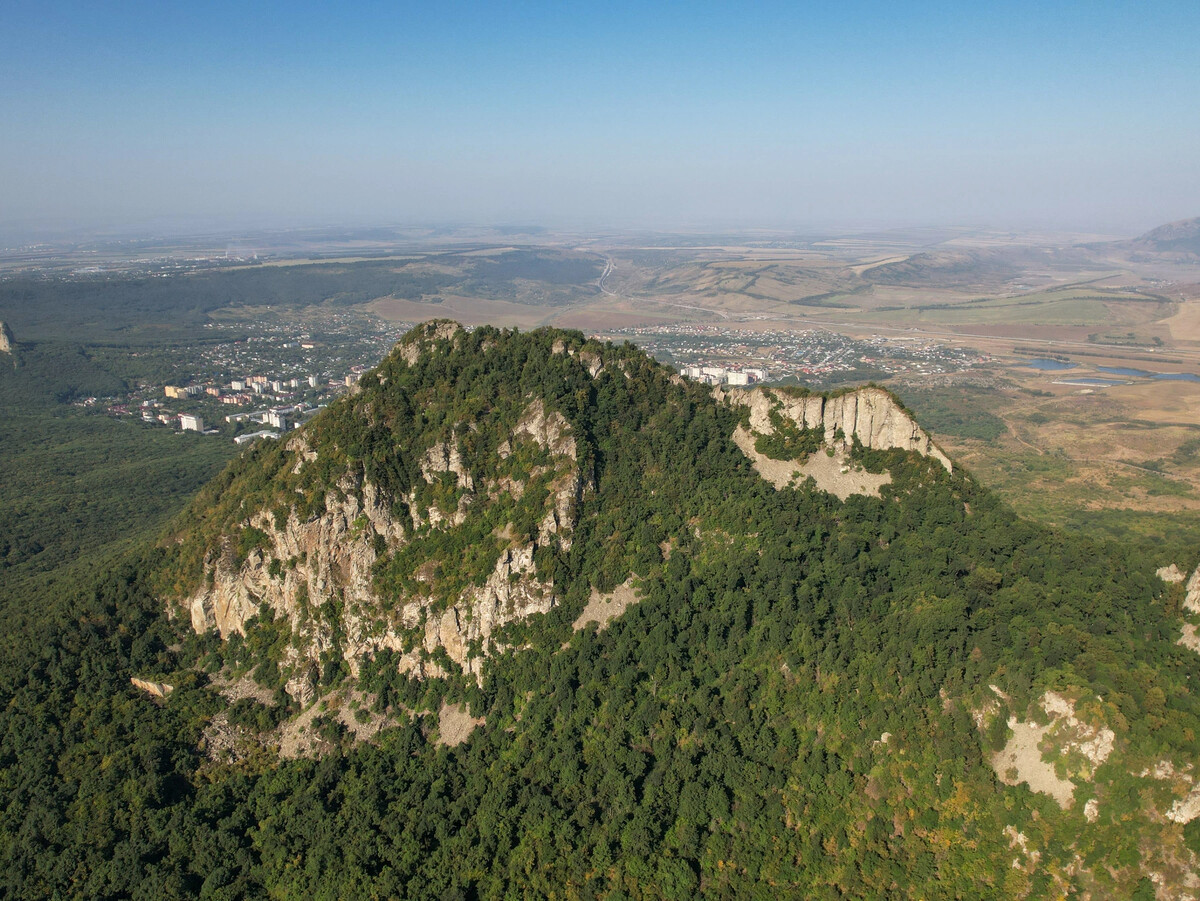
529	615
439	504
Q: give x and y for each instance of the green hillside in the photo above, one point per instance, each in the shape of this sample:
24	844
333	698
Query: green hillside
803	702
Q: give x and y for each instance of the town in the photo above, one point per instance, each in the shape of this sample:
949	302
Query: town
270	377
730	356
259	377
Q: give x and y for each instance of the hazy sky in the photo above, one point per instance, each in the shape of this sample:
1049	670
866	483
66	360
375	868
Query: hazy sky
1083	115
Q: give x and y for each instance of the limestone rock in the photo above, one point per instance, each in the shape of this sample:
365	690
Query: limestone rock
7	344
1067	736
425	336
306	571
1190	638
446	457
156	689
1186	809
324	558
1170	574
870	414
1192	601
550	431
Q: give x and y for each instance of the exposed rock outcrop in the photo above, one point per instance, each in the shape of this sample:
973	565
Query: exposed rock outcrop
154	689
425	337
1170	574
464	629
326	558
446	457
309	571
870	414
7	344
1190	638
1191	601
834	474
1082	746
1186	809
602	609
550	431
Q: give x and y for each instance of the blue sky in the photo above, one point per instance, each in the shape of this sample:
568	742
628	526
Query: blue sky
1073	115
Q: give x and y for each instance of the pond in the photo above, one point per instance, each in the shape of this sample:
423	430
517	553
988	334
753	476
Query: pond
1047	364
1145	374
1091	383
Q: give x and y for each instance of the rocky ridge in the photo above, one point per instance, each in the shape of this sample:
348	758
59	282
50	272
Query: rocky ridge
320	572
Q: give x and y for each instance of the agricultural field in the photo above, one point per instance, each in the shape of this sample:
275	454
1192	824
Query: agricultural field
1120	462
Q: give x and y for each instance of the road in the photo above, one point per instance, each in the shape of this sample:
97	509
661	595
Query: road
610	267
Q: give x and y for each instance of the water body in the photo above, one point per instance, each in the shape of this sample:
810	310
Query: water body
1091	383
1045	363
1144	374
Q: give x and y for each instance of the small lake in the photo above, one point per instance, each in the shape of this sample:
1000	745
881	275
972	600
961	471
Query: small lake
1047	364
1091	383
1144	374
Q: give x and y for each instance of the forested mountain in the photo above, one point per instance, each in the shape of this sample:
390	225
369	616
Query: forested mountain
527	615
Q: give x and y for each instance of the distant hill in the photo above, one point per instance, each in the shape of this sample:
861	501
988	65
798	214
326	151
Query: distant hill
1174	237
135	307
945	269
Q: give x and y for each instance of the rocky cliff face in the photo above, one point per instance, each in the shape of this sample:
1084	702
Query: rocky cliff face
320	573
870	414
7	344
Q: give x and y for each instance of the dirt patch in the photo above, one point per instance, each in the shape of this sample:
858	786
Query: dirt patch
603	608
836	474
234	690
1021	761
300	736
455	725
1077	744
